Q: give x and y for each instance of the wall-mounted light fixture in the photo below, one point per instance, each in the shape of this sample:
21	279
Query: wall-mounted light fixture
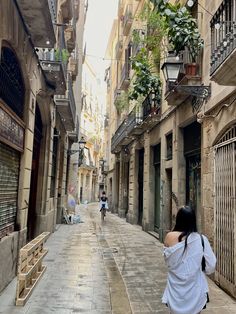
171	69
82	144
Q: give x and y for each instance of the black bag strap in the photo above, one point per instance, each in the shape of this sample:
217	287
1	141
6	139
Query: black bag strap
203	258
203	244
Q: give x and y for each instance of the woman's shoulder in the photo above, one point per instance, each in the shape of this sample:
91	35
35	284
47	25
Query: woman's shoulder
172	238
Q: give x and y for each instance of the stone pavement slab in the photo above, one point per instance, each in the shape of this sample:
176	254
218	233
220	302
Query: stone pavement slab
98	267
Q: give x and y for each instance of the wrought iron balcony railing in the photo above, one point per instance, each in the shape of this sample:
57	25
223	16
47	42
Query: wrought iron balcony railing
119	47
70	35
66	106
117	93
123	133
52	64
223	33
127	19
125	75
151	106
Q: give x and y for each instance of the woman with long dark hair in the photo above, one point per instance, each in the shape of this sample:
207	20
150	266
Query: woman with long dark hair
188	256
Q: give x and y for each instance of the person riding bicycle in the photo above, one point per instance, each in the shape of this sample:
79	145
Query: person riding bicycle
103	202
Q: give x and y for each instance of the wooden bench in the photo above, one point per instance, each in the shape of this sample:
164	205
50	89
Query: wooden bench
30	268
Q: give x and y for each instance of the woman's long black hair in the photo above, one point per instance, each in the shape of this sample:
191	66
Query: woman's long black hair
185	223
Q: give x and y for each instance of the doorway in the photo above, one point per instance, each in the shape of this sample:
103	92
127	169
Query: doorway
192	152
168	224
32	219
157	190
140	186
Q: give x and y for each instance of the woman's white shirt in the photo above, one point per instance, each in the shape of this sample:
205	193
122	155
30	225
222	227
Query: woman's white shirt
186	290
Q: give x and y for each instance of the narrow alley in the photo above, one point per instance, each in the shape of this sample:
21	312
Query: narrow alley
106	267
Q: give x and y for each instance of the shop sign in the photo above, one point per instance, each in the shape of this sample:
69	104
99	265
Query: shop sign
11	129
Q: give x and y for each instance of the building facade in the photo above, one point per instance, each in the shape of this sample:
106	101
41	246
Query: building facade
38	110
182	149
91	130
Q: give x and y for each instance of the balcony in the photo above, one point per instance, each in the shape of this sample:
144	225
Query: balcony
74	135
117	93
73	65
138	121
136	45
119	48
126	131
54	68
66	8
151	107
77	9
127	19
125	76
65	105
39	17
120	7
223	40
70	36
189	79
106	121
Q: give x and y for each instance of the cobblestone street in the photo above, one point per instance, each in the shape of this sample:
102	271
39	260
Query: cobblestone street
101	268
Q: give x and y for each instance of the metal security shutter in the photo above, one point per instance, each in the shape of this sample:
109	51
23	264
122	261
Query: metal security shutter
9	177
225	206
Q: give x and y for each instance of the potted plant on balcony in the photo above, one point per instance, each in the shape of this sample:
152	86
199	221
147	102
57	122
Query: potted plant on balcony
62	55
182	31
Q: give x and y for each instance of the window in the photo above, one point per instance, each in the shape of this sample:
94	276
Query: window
169	146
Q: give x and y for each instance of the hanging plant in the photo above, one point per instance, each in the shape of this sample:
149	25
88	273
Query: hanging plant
151	38
181	27
122	101
145	81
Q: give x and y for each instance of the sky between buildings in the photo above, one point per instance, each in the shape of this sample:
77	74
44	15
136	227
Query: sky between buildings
100	16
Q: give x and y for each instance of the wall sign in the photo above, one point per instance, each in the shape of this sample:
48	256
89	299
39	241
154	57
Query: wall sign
11	129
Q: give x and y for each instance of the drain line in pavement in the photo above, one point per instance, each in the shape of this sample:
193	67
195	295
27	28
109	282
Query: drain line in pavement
118	294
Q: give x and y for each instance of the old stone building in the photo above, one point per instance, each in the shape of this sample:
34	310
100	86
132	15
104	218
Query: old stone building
37	111
91	130
180	150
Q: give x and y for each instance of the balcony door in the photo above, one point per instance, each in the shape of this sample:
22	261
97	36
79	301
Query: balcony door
157	194
32	219
140	186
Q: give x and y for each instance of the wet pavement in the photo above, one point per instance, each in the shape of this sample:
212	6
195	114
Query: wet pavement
100	267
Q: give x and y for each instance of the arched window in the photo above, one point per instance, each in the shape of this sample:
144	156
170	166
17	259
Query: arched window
12	89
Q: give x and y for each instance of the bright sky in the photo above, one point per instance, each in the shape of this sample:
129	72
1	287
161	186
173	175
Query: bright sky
100	16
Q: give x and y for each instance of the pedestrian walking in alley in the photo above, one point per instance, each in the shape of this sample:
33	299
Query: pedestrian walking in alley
189	257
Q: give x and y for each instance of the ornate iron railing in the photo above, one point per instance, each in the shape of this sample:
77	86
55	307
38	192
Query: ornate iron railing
125	74
223	33
133	119
119	46
151	105
127	20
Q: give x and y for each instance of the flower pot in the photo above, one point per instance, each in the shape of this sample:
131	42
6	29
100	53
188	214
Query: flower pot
191	69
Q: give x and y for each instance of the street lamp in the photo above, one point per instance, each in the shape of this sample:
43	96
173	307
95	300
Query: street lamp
82	144
171	69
